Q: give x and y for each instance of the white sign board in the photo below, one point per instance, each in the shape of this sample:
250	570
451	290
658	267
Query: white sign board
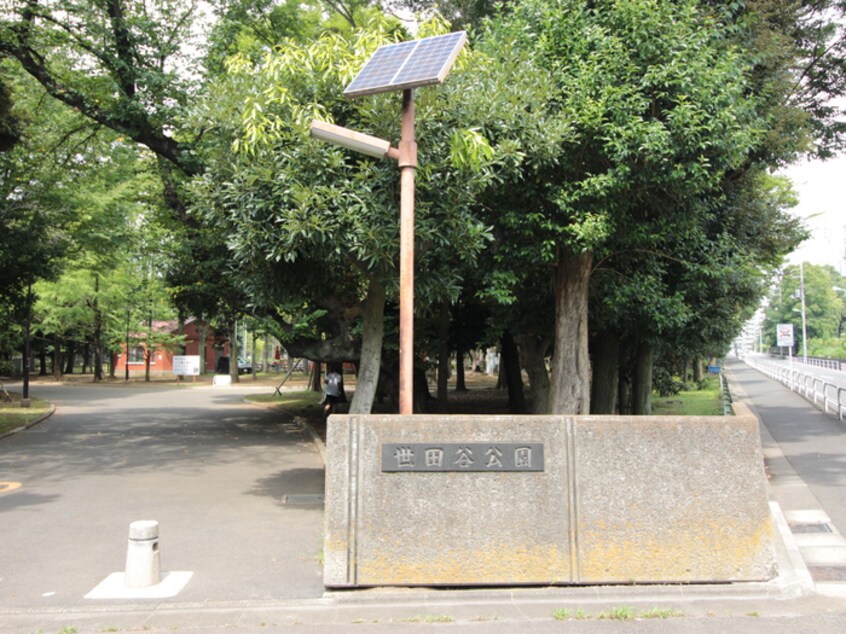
784	335
186	365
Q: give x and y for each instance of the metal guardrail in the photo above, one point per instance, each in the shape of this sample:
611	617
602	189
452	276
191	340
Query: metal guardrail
820	362
829	397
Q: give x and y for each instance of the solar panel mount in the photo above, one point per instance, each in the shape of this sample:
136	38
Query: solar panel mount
408	65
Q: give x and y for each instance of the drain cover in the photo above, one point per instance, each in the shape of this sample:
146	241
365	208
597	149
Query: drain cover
303	499
828	573
810	528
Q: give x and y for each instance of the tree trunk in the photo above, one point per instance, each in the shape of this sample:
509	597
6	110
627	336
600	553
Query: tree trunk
422	397
443	356
570	385
71	356
234	353
202	334
265	366
371	349
642	383
314	379
510	369
57	357
86	358
42	361
460	384
533	357
148	360
148	352
253	358
627	363
500	377
604	388
624	400
697	370
98	333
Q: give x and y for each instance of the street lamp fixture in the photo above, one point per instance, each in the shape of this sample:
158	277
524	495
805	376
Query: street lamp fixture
352	140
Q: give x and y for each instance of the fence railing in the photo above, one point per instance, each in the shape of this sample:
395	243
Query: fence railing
827	396
820	362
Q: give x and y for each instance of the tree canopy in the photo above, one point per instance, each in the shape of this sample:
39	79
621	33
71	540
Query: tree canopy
594	176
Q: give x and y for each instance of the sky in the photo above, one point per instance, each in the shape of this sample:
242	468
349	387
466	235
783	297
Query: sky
821	186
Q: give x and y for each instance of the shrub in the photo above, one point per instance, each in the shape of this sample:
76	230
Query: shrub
665	383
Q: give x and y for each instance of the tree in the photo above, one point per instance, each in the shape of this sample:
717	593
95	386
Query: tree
823	305
657	112
314	226
114	62
34	217
9	125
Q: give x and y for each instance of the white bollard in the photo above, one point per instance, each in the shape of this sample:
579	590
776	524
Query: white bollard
143	566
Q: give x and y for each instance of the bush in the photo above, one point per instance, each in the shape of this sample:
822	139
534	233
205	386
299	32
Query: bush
7	369
665	383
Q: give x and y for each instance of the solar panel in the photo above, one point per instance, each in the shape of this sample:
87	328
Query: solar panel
408	65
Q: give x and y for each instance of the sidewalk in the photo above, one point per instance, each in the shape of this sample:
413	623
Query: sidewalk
786	604
817	445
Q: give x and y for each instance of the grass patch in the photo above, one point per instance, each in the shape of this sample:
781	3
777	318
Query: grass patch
287	400
12	415
429	618
660	613
705	402
622	613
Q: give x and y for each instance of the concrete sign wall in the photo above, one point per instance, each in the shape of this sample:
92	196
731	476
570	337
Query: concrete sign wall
461	500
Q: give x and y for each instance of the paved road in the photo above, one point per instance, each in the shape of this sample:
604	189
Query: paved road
211	469
214	472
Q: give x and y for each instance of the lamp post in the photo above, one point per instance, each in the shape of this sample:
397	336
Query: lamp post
402	66
804	320
406	157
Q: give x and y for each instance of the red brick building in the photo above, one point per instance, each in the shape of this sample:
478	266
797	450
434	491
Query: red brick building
161	362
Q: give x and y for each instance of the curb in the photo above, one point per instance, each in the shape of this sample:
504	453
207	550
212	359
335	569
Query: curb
315	437
41	419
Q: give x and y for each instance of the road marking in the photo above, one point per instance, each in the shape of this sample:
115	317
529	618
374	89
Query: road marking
6	487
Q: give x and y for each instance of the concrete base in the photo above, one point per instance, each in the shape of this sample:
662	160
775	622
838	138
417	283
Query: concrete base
618	500
114	587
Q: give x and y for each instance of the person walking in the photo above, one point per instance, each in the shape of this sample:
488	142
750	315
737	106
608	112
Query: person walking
331	389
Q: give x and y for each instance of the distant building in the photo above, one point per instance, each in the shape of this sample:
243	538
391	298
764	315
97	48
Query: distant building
161	362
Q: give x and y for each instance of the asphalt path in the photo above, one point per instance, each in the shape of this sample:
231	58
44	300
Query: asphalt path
214	471
813	442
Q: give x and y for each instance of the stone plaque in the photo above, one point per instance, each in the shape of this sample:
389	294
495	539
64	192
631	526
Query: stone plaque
468	456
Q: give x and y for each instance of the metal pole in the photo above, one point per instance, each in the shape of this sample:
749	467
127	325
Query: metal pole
407	165
27	343
804	323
